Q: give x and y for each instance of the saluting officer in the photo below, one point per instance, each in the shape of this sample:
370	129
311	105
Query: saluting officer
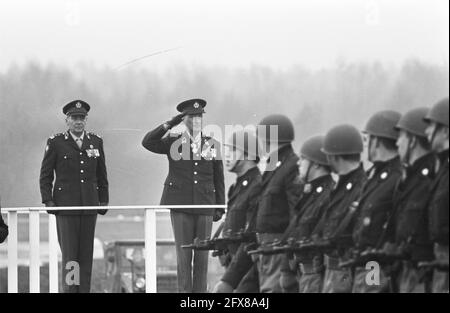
195	178
73	173
343	146
376	201
438	136
241	157
281	190
315	173
409	227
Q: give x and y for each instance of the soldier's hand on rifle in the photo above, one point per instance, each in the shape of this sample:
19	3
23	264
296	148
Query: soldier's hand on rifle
218	213
223	287
175	120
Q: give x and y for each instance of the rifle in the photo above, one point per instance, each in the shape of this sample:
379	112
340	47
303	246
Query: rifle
435	264
221	244
380	256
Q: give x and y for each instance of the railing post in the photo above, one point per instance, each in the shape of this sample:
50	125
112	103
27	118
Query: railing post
52	255
13	286
34	252
150	251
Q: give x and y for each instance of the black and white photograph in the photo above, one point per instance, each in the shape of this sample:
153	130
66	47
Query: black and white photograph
216	151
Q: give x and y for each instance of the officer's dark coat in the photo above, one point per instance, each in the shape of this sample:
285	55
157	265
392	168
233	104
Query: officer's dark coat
409	223
81	180
193	178
3	229
376	203
340	215
280	193
438	207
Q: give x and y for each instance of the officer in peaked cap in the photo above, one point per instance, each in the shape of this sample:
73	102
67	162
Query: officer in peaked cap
195	178
73	173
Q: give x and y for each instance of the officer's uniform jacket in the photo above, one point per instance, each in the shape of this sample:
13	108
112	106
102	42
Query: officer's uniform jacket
340	215
280	193
438	206
71	176
195	172
409	224
376	203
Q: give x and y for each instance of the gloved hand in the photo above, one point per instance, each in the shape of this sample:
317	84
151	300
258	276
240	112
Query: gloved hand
175	120
218	215
222	287
102	212
51	204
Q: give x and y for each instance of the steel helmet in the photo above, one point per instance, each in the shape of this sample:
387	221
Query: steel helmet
413	122
312	150
246	142
343	140
382	124
284	124
439	113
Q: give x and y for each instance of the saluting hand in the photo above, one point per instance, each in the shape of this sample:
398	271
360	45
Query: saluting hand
175	120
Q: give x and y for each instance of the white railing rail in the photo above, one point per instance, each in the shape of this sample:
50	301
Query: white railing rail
34	213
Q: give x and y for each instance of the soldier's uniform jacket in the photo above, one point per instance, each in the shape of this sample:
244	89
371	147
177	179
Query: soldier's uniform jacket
3	229
438	207
340	215
195	173
376	203
410	219
242	201
280	193
81	177
311	206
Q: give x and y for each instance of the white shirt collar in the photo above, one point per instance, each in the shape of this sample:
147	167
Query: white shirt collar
75	137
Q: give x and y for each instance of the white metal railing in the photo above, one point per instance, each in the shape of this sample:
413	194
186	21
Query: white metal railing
34	213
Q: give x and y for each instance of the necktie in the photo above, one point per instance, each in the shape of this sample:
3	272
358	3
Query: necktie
79	142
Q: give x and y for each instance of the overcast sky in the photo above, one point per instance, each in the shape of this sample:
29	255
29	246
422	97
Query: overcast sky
277	33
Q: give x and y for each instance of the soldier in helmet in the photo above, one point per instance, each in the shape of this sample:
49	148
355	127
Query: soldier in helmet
242	153
376	200
408	229
195	178
279	195
438	136
343	146
73	173
315	175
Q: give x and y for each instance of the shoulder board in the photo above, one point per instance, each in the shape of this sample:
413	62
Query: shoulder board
94	134
174	135
55	135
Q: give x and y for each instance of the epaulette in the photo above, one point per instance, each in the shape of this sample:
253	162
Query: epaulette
94	134
55	135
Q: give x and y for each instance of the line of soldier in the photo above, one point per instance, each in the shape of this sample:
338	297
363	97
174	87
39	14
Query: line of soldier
296	229
395	214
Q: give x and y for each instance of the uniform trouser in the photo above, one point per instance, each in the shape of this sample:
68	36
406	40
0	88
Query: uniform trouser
440	278
311	278
366	281
413	280
270	266
336	280
192	276
249	283
76	239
